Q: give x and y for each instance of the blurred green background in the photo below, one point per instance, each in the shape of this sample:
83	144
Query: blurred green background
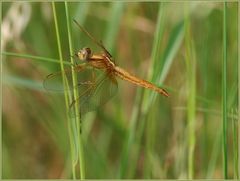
137	134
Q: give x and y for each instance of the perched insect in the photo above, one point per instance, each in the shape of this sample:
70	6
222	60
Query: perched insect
97	77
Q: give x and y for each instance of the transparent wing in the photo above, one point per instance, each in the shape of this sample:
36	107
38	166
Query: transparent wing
96	94
94	87
54	82
99	43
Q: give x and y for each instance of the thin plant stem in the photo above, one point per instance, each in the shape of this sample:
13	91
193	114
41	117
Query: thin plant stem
191	102
75	95
224	92
238	120
150	124
67	97
32	57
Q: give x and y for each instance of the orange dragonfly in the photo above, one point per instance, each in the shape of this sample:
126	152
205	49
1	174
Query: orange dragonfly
97	77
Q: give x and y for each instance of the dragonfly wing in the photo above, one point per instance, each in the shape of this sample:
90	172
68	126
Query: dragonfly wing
54	82
99	43
96	95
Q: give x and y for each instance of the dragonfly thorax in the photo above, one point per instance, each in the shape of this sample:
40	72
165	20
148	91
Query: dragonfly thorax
84	54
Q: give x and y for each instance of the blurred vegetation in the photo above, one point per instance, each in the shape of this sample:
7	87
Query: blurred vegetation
138	134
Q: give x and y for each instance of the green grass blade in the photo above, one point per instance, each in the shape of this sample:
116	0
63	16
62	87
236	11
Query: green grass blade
66	95
224	92
162	67
151	125
174	43
75	95
238	170
191	102
137	109
32	57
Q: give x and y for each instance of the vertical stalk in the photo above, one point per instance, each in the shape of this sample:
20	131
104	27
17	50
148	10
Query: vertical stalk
150	123
238	120
224	91
191	102
65	84
77	106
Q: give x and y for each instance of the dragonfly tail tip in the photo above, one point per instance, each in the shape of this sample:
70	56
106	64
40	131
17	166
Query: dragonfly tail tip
165	93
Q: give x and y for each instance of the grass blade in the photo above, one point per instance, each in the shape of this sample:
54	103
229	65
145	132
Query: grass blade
32	57
238	170
75	95
191	102
142	105
66	95
224	92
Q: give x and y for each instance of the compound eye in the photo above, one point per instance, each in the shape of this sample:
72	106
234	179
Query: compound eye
84	54
88	51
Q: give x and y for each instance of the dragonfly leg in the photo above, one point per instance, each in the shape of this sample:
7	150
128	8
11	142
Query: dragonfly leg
91	86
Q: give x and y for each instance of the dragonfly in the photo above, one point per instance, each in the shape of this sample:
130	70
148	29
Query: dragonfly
96	77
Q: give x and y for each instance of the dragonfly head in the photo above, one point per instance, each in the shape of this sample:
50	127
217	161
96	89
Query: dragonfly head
84	54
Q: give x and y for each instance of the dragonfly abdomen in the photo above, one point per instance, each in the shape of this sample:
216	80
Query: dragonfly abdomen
121	73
